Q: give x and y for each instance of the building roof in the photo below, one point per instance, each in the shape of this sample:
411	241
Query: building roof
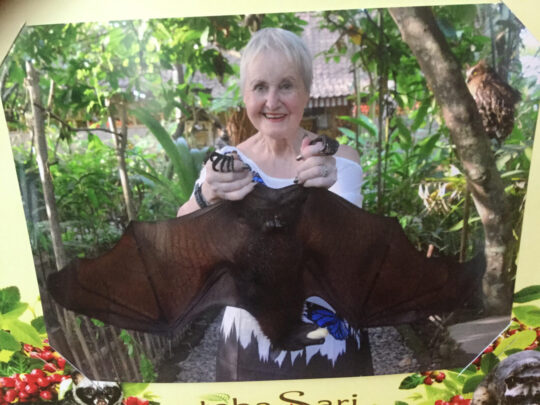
332	81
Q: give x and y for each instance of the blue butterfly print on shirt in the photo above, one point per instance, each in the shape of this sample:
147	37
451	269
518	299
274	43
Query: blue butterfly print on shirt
326	318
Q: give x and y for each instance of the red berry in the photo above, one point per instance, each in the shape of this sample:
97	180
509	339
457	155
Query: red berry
428	381
51	368
456	398
56	378
35	355
61	362
440	377
19	384
46	395
533	346
31	388
24	396
11	395
512	332
7	382
131	401
144	402
65	377
47	355
27	347
440	402
37	372
28	378
488	349
43	381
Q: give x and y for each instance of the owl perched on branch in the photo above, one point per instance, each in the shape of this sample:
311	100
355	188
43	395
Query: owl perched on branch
495	100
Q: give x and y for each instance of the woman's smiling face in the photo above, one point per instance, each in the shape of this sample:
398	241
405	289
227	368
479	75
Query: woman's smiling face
275	95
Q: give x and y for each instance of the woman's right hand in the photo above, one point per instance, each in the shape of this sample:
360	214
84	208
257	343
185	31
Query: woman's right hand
227	185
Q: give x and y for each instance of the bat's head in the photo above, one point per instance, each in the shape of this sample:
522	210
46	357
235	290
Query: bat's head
270	209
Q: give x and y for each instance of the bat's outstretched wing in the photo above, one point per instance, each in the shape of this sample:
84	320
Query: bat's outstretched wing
159	275
365	266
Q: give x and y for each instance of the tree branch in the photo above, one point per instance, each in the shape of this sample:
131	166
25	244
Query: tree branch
69	127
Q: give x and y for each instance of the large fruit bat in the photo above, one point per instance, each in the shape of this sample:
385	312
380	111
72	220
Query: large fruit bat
266	253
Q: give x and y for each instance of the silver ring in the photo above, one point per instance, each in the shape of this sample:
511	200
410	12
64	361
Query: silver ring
324	171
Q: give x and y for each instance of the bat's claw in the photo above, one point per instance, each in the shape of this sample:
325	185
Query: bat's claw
330	146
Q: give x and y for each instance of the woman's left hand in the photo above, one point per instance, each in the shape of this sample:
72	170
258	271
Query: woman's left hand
316	170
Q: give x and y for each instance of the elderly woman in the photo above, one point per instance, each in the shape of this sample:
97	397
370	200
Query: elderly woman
276	75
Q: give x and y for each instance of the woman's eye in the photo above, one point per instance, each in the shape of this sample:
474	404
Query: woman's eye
259	87
286	86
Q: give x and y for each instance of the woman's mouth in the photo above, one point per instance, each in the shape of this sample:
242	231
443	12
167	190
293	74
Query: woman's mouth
274	116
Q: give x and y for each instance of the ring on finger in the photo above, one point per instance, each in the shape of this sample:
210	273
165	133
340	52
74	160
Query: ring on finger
324	171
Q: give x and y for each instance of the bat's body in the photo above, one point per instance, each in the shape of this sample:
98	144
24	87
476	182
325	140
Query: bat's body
266	254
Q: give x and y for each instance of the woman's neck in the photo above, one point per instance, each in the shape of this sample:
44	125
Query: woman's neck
276	157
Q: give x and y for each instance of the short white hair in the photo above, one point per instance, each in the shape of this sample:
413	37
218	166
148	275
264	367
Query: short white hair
281	41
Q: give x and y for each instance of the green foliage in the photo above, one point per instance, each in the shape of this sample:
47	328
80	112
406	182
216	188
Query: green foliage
90	200
184	170
133	389
14	332
527	294
8	342
147	369
145	365
186	164
411	381
19	363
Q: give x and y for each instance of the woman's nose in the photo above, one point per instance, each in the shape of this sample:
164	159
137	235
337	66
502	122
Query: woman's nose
272	99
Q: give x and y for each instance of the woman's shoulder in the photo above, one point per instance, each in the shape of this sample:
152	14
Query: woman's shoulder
348	152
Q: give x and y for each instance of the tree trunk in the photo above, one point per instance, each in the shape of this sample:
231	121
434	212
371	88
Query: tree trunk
38	126
382	73
120	143
443	74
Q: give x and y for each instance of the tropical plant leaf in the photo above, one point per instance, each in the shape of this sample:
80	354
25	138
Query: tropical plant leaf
411	381
519	340
5	356
22	331
472	382
9	298
8	342
489	360
39	324
527	294
133	389
528	314
16	311
181	169
363	121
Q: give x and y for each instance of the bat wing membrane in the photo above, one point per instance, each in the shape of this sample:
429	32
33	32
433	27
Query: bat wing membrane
156	276
366	268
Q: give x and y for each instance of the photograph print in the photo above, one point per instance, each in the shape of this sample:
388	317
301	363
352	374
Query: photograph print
274	196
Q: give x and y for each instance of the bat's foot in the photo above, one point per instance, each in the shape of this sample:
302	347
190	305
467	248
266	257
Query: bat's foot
304	335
